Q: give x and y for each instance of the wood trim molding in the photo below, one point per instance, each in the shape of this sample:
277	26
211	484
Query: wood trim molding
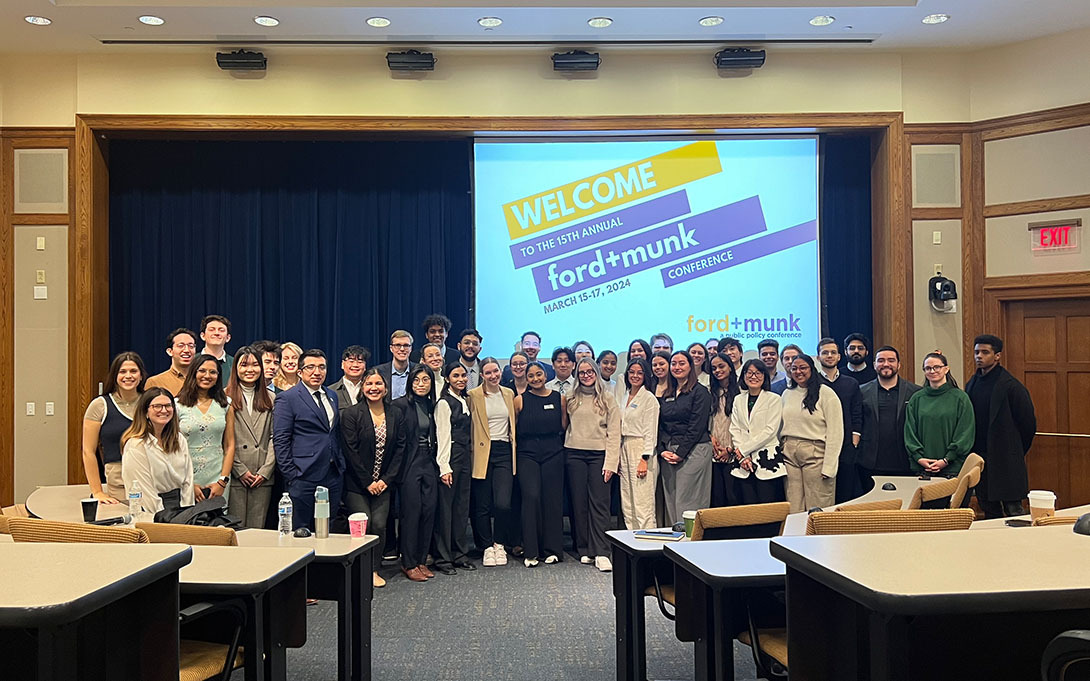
471	124
1052	205
7	328
1000	290
973	243
935	135
937	213
1023	282
1048	120
19	132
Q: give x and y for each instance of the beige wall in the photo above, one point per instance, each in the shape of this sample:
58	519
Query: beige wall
1040	166
41	365
936	330
1009	250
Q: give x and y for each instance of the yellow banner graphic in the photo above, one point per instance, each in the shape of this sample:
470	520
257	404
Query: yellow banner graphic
611	188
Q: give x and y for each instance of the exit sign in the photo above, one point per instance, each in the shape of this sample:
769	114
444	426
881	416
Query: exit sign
1055	235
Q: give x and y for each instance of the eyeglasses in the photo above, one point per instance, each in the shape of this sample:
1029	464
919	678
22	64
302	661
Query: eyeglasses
161	407
586	372
355	360
934	369
401	346
518	365
313	367
754	374
421	379
184	346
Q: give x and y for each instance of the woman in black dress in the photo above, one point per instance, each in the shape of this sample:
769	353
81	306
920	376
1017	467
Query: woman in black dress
541	421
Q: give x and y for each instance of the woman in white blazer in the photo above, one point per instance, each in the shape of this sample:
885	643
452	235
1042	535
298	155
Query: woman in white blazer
755	431
639	433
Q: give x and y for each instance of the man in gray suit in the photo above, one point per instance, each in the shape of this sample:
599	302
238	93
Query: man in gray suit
353	365
882	446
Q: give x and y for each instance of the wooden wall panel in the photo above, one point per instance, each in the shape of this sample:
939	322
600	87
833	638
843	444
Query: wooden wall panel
7	326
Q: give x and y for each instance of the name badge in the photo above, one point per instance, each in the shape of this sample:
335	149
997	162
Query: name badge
549	406
669	399
633	405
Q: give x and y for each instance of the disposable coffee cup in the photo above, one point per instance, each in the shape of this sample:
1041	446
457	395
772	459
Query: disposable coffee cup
90	509
357	524
690	519
1042	504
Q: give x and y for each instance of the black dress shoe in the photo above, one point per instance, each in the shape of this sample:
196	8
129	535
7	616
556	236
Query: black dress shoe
446	569
465	565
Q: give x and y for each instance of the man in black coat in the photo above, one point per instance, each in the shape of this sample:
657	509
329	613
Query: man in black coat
851	402
1005	425
882	447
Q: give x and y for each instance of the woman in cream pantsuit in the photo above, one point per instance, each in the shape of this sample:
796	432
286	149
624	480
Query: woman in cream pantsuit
639	434
252	470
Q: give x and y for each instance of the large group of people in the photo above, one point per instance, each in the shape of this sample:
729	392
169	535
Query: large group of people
440	439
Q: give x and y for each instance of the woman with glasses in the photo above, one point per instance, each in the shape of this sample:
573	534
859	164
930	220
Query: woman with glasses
107	417
251	404
288	373
592	449
208	427
541	416
940	425
639	433
517	366
813	426
453	426
724	388
155	454
374	444
493	410
419	473
755	431
685	446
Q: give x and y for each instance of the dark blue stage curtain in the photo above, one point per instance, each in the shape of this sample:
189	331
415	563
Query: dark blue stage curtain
321	243
847	288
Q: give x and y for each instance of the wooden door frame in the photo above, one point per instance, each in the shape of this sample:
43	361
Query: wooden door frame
999	291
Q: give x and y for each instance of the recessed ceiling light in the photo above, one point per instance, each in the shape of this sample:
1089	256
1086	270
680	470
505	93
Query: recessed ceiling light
39	21
378	22
822	20
936	18
266	21
600	22
490	22
151	20
710	21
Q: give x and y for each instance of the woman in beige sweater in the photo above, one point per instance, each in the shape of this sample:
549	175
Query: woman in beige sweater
813	424
592	448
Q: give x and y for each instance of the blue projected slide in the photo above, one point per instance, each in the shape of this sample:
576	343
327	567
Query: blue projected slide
615	240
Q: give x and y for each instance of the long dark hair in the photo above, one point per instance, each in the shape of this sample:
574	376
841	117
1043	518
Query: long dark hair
647	375
170	438
813	385
676	388
110	384
262	397
449	369
654	380
767	385
643	344
374	371
187	396
706	365
731	389
427	401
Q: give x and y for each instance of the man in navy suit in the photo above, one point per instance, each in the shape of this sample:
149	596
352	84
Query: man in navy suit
306	429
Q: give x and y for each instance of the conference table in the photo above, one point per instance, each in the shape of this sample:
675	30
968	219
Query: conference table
271	583
931	605
341	572
62	502
97	611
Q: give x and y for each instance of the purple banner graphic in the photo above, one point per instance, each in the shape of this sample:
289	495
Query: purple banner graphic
709	263
599	229
649	249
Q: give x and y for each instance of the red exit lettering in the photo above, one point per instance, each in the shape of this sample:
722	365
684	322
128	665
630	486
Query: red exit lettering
1055	237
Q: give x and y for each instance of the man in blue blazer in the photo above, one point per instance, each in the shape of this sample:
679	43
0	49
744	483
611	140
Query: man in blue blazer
306	438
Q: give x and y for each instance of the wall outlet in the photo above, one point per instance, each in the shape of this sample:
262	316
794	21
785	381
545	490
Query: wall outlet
936	237
938	269
30	409
39	276
49	410
41	292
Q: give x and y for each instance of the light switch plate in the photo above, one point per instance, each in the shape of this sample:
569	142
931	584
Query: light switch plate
49	409
30	409
41	292
938	268
39	243
39	276
936	237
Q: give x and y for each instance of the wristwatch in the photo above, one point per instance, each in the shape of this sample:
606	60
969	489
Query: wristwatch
645	457
224	480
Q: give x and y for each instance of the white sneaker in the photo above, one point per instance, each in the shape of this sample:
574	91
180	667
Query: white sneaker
551	560
489	559
585	560
499	555
530	562
603	564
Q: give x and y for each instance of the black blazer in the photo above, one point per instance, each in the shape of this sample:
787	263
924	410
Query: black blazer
359	443
413	456
868	441
1012	424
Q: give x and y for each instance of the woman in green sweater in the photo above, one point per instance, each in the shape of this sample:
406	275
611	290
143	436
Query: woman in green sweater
939	422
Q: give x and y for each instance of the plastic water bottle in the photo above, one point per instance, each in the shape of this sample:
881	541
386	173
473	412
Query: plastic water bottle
136	502
284	510
321	512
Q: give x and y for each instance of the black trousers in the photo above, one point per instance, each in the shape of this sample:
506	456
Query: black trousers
542	487
452	514
378	513
418	500
589	500
751	490
302	497
1000	508
492	499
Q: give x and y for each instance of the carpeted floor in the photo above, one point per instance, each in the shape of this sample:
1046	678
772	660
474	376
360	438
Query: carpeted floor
511	622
